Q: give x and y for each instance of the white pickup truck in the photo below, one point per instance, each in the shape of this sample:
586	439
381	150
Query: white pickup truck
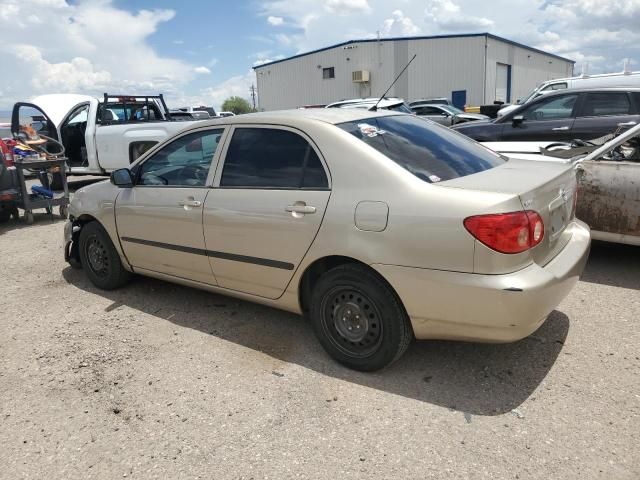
99	135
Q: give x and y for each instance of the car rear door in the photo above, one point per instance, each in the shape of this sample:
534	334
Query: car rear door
546	119
601	113
159	219
267	205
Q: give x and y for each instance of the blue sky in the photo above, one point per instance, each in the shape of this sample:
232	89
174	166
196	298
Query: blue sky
202	51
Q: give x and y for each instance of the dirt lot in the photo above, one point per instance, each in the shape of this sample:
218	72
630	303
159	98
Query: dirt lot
161	381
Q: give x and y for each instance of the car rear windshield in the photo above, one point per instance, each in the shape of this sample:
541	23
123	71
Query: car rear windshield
431	152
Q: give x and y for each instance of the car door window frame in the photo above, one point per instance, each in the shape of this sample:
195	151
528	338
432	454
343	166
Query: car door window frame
223	157
137	166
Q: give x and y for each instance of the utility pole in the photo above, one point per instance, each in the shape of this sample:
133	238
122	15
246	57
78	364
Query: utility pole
253	96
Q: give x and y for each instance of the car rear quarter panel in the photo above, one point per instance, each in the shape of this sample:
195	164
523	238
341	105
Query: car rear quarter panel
425	222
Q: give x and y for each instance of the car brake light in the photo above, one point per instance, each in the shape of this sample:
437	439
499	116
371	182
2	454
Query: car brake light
512	232
7	153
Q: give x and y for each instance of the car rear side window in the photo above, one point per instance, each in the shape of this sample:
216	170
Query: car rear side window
606	103
272	158
431	152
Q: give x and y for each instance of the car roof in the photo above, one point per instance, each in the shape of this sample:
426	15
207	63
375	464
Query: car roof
587	90
291	117
384	102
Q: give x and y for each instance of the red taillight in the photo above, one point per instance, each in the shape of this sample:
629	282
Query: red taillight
512	232
7	151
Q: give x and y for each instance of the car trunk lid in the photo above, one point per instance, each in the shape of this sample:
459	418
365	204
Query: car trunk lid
547	188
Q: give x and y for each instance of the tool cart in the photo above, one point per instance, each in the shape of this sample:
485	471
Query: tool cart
42	197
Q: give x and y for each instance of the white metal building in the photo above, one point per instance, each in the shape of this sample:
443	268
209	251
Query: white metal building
469	69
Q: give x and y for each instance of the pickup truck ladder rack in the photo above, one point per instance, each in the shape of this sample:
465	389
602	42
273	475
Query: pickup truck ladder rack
135	98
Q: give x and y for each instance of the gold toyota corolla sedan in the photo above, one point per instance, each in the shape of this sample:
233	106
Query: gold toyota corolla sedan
378	227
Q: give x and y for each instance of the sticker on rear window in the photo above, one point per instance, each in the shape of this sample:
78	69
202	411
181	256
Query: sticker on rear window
434	178
370	130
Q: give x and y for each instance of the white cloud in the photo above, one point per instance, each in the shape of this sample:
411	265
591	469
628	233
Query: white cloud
584	30
83	47
347	7
399	25
216	95
202	70
449	17
275	21
178	42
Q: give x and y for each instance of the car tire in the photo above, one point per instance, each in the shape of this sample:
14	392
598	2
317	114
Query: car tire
99	258
358	319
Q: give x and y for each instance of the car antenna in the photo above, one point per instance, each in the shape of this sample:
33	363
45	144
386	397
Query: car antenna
375	107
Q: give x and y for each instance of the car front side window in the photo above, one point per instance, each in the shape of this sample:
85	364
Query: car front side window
185	162
272	159
555	108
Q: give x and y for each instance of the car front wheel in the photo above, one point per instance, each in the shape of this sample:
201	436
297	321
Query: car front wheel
358	318
99	258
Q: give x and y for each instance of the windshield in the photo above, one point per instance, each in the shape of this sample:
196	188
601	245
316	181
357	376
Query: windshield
431	152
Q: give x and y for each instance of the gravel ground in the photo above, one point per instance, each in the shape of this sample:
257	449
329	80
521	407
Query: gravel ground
161	381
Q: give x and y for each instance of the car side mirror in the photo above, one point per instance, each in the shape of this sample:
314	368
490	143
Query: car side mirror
444	114
517	120
122	178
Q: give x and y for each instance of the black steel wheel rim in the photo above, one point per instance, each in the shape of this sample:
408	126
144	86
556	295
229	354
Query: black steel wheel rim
351	321
97	256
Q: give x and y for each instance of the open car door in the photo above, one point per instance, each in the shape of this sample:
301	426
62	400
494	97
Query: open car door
30	115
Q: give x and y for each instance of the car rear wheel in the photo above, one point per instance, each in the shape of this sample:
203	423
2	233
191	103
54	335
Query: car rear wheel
99	258
358	318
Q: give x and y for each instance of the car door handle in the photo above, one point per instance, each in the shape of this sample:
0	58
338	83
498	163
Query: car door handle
560	129
300	208
190	203
627	124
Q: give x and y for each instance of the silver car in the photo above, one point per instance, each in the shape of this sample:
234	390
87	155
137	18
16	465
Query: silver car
377	226
446	114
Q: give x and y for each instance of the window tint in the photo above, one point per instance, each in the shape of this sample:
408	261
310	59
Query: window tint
328	73
609	103
431	152
184	162
428	111
271	158
636	98
121	112
554	108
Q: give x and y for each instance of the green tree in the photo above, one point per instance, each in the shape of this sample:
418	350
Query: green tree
236	105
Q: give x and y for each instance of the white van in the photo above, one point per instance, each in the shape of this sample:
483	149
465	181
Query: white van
622	79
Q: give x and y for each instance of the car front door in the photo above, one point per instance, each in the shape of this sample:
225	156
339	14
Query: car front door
267	204
546	119
159	219
602	113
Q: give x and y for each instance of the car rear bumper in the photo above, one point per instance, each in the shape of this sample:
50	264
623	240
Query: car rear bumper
488	308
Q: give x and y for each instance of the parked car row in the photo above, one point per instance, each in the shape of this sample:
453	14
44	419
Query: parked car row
562	115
